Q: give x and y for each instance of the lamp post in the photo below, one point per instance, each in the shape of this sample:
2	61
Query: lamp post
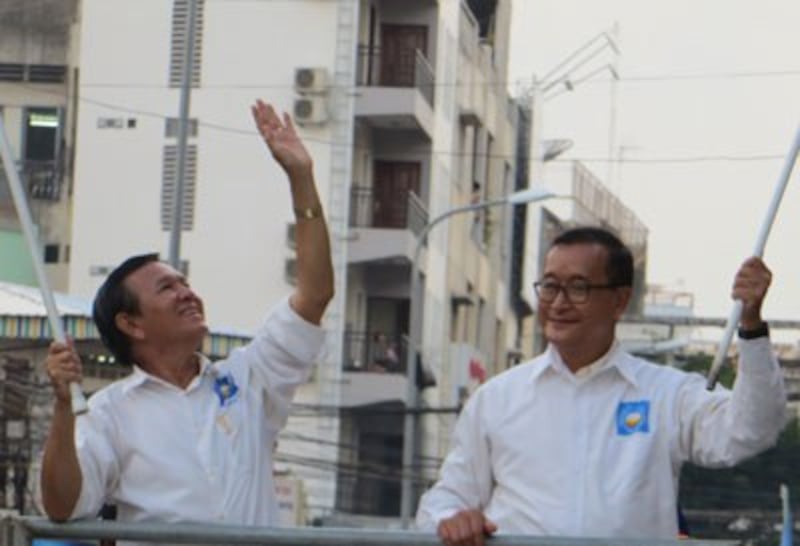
415	313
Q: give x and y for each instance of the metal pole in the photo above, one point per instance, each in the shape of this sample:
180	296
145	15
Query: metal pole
787	533
761	242
183	133
415	314
78	401
520	197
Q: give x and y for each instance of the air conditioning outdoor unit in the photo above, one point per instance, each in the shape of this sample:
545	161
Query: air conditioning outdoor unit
310	110
311	80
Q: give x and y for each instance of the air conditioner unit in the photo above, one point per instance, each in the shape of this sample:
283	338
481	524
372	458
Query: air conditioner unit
310	110
311	80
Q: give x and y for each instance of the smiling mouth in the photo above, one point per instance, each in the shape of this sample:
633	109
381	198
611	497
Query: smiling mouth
562	322
189	311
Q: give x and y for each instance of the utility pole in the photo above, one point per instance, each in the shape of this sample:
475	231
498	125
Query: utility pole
183	135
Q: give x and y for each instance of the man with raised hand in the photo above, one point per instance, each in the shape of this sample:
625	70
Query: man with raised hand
182	438
586	439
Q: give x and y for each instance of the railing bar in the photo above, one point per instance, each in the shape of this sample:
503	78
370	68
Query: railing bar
186	533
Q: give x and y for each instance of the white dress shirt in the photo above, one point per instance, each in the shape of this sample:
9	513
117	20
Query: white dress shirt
204	453
543	451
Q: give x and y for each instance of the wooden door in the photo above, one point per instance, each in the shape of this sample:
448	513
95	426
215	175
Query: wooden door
399	45
393	181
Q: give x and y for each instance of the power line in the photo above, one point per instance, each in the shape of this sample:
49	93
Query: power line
451	153
645	78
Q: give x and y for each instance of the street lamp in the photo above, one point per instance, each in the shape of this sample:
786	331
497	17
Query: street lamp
521	197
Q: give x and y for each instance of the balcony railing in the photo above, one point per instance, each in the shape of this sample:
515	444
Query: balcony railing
375	352
42	179
409	68
406	211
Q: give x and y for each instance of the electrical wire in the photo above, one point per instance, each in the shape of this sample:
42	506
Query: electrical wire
450	153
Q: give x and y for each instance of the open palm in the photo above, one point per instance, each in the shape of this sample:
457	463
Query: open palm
281	138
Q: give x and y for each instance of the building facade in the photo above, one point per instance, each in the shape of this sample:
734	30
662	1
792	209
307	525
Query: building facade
37	83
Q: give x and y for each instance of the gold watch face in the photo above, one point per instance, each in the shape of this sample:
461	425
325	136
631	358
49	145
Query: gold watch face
308	213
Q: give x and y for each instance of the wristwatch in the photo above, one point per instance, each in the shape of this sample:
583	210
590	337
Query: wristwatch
308	213
761	331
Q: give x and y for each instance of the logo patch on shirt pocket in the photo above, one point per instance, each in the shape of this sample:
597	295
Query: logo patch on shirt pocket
226	390
633	417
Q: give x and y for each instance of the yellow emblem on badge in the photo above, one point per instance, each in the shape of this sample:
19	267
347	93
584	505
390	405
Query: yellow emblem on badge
633	419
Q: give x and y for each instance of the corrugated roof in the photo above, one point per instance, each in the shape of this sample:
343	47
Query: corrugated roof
26	301
24	316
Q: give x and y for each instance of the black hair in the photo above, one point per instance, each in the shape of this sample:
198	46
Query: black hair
113	298
619	267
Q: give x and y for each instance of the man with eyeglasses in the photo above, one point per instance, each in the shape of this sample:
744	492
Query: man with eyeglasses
586	439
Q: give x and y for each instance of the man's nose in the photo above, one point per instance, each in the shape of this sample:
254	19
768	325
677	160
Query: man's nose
186	292
561	298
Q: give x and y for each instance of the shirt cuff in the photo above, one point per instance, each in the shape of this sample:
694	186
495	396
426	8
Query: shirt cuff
756	355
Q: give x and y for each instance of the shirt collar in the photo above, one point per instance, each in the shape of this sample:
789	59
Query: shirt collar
140	377
614	358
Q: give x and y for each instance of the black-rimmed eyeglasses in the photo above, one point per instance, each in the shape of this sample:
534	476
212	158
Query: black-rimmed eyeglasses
575	290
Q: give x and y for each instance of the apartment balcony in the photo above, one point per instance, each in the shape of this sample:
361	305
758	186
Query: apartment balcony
374	368
395	89
43	179
375	352
384	225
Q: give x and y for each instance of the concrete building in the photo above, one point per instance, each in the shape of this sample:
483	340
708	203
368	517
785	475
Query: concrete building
37	82
406	113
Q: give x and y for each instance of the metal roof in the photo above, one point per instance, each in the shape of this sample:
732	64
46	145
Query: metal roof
24	316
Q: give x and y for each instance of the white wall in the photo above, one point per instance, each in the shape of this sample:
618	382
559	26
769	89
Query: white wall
237	247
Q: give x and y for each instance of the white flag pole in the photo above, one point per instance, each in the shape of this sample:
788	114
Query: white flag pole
21	204
761	242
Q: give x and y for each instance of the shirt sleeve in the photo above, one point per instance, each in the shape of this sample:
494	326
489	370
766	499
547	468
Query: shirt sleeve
721	428
281	356
465	480
94	435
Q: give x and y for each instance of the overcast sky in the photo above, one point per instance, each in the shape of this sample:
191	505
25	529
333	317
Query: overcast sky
713	81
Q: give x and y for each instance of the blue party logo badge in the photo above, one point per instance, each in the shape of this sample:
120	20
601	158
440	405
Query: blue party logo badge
633	417
226	389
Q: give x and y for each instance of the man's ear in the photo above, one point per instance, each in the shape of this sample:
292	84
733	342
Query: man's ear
623	298
129	325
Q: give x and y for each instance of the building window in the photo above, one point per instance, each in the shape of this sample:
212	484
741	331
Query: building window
40	165
41	134
51	254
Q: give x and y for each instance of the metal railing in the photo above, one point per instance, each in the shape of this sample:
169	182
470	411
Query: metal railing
393	213
424	78
42	179
373	352
20	531
408	68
